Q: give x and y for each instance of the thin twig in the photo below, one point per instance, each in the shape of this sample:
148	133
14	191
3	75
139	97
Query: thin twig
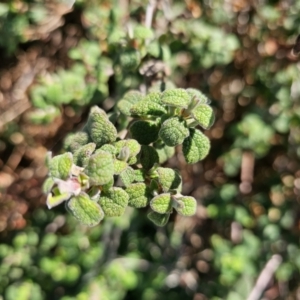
14	111
149	13
18	96
247	169
265	277
14	159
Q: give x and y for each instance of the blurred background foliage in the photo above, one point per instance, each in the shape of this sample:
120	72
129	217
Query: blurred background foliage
58	59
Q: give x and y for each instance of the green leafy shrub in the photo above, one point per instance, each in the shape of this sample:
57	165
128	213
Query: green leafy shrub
237	54
17	21
86	178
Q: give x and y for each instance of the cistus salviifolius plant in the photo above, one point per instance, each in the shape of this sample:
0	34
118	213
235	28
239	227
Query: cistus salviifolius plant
100	174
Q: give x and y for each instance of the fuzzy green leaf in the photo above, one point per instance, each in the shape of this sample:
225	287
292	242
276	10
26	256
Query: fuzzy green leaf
96	110
197	97
108	148
139	175
168	178
133	146
154	49
119	166
160	51
195	147
94	193
164	152
186	206
54	200
158	219
44	115
148	157
162	203
60	166
83	153
116	36
106	187
85	210
129	99
142	32
145	132
173	131
130	59
74	140
132	161
154	186
154	97
101	130
127	176
139	195
176	98
114	202
119	145
100	168
204	115
48	185
124	154
147	108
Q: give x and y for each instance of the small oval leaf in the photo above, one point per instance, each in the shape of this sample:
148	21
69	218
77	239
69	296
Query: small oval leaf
119	166
100	168
130	59
85	210
197	96
173	132
127	176
162	203
82	154
204	115
195	147
139	195
148	157
129	99
101	130
145	132
56	199
168	178
147	108
74	140
60	166
114	202
164	152
186	206
176	98
158	219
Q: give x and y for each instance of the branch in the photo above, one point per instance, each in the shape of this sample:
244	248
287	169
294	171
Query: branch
265	277
149	13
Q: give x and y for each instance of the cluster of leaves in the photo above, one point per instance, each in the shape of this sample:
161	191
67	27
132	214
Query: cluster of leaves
101	174
240	56
15	19
265	123
70	87
111	50
56	258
